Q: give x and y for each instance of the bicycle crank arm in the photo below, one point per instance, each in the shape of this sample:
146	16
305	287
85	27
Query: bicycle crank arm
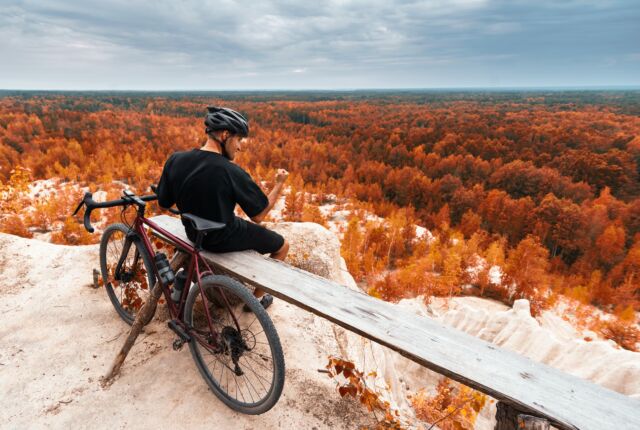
177	329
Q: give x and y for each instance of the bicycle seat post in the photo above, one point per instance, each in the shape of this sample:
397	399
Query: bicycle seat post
199	238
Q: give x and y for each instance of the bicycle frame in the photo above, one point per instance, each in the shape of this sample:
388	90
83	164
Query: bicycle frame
194	271
194	266
228	339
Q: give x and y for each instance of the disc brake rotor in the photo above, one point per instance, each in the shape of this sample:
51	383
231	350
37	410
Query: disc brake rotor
236	346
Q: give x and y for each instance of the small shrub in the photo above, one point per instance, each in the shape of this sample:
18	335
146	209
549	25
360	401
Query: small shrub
623	333
73	233
352	382
311	213
13	224
453	407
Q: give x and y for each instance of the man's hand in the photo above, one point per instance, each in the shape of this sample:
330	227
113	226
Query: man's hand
281	176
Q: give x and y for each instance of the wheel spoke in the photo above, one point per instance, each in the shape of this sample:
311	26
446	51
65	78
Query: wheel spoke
239	390
247	383
254	320
258	363
258	377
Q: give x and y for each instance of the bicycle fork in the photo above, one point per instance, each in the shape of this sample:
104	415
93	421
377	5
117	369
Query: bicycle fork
117	275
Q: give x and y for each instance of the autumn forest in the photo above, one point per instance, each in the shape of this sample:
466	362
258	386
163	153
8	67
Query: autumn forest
522	194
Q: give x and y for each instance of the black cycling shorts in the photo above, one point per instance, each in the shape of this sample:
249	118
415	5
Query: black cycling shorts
248	236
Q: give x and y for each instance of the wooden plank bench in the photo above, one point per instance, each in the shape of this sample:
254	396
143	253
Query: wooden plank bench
520	384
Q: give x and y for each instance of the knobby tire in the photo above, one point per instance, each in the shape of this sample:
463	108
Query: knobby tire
260	387
123	294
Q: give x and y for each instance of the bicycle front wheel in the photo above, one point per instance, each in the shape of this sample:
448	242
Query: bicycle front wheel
241	359
130	287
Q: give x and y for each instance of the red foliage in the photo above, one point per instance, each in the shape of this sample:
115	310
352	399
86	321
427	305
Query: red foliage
627	335
558	170
13	224
453	407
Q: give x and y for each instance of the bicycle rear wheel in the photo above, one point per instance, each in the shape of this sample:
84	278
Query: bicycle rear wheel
242	362
131	288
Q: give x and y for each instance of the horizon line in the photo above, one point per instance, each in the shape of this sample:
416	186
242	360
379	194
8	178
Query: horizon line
346	89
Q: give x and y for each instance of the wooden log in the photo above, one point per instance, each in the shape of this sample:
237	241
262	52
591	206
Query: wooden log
509	418
96	278
142	318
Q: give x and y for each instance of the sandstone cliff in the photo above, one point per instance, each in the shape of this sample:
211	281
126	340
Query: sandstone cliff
59	335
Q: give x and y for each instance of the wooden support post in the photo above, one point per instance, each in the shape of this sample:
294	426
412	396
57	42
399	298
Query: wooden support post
96	278
142	318
506	417
532	423
509	418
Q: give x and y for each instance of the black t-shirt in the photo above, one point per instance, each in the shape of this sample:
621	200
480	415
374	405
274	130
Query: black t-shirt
208	185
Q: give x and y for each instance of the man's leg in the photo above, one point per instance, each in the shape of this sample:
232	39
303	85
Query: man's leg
280	254
255	237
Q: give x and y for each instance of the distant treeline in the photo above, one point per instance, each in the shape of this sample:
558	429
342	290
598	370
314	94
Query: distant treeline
629	99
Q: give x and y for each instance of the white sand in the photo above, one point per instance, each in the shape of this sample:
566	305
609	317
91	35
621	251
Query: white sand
59	335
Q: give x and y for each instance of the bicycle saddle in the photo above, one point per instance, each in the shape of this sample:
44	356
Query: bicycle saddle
203	225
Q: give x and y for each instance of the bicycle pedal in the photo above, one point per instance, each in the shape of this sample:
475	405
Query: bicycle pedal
177	329
178	344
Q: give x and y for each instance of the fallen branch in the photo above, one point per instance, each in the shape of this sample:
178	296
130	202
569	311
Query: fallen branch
142	318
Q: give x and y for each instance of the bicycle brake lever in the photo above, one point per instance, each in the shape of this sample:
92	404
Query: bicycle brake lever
88	201
78	208
81	203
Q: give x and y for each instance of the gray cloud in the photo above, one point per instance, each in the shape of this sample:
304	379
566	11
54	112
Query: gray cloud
162	44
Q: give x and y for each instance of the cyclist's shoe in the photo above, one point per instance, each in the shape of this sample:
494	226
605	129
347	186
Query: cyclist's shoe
266	300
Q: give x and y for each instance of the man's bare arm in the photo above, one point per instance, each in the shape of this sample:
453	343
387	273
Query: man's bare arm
281	177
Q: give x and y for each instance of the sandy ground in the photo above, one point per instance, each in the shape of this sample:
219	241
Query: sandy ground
60	335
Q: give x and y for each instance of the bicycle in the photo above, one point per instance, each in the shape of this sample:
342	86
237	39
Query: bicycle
207	314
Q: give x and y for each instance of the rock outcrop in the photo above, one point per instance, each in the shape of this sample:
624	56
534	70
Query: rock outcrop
548	339
312	248
59	336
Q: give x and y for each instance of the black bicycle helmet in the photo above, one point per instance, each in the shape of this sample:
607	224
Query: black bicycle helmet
220	118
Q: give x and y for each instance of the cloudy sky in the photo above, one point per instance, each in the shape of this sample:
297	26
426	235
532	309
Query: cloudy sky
333	44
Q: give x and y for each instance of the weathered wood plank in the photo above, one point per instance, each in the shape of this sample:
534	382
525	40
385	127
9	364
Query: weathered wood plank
534	388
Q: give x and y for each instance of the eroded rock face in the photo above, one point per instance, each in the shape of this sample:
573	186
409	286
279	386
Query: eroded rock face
550	340
311	247
547	339
63	329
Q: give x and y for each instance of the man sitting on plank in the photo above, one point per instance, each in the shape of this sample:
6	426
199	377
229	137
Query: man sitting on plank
205	182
